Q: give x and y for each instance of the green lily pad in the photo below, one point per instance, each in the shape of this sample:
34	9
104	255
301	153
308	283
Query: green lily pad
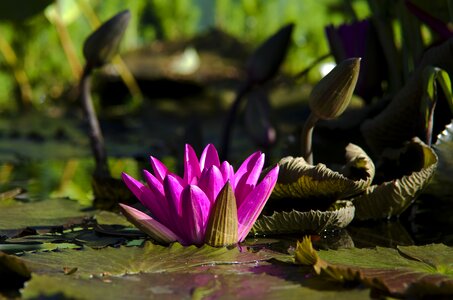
263	281
312	221
50	212
393	197
298	179
402	272
132	260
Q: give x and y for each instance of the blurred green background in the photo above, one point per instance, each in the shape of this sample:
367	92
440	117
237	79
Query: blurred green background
41	40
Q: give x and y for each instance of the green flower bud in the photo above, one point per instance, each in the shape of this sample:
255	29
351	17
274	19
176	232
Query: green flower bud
222	227
102	44
330	97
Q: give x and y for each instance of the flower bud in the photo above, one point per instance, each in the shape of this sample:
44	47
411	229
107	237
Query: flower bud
330	97
267	58
102	44
222	229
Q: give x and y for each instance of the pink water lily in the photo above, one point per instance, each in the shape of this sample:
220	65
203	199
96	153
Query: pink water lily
181	208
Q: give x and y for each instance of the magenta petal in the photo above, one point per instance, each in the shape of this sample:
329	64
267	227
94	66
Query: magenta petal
191	166
159	169
196	208
254	203
209	157
150	226
211	182
173	191
133	184
154	184
156	204
227	171
248	175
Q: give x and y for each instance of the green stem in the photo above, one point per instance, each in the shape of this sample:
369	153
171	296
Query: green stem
95	133
307	136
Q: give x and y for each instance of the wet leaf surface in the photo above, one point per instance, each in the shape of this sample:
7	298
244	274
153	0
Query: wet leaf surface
47	213
407	270
263	280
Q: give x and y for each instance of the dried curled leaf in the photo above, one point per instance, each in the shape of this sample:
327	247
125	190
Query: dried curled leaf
397	123
441	186
394	197
298	179
341	214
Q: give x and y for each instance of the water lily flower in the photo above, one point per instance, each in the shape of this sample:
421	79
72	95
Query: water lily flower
210	204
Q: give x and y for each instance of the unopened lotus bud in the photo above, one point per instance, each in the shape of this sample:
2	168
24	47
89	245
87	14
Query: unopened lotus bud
222	229
267	58
330	97
102	44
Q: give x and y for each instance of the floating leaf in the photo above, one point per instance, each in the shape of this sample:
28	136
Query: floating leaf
249	281
298	179
311	221
406	271
391	198
132	260
51	212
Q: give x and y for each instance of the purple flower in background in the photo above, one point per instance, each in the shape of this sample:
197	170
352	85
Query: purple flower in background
188	209
359	39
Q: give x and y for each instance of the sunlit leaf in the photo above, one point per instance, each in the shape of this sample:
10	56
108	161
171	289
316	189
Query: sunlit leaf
393	197
132	260
51	212
408	270
261	281
298	179
312	221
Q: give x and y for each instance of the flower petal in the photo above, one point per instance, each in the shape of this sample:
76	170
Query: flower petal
159	169
196	209
150	226
154	184
132	184
254	203
191	166
209	157
211	182
173	191
157	205
248	175
227	171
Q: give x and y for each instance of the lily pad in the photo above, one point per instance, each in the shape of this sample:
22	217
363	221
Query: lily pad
50	212
298	179
402	272
265	281
393	197
312	221
132	260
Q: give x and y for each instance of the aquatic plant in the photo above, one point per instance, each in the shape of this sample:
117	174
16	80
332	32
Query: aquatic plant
210	204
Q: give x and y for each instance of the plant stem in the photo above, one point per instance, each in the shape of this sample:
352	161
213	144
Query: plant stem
306	137
95	133
226	137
